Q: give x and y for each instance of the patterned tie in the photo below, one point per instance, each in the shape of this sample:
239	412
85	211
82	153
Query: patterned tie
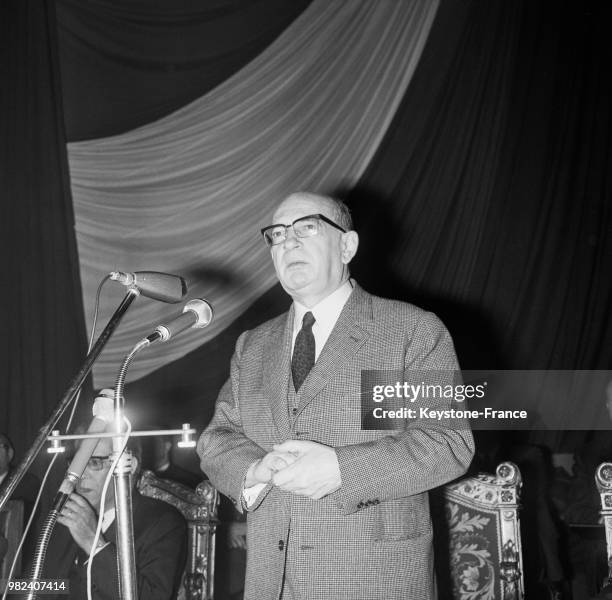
303	351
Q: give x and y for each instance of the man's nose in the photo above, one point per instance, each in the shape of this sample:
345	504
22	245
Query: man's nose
292	240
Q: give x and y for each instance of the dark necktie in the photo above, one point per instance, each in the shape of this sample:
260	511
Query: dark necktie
303	351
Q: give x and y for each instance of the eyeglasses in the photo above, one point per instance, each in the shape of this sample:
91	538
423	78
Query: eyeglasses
303	227
95	463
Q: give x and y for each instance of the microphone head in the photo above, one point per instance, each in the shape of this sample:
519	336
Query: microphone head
196	314
152	284
203	311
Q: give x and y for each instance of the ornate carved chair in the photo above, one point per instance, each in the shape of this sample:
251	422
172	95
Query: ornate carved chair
11	529
481	554
603	480
200	511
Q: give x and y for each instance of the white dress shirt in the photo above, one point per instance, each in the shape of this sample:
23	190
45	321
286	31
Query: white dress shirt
326	314
107	518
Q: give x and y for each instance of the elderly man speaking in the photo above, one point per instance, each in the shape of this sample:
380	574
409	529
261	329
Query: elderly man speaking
335	512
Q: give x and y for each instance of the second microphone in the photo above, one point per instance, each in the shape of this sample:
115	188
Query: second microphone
197	313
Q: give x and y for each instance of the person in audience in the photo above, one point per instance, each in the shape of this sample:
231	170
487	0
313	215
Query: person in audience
160	537
28	487
165	467
26	491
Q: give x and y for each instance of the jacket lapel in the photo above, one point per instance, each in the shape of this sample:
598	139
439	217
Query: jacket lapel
277	367
351	331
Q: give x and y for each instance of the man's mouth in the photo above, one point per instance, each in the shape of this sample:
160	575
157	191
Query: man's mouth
296	264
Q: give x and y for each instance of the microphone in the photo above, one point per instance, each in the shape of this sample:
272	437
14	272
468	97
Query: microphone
103	415
158	286
197	313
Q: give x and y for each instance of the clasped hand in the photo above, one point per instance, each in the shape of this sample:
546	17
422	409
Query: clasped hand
301	467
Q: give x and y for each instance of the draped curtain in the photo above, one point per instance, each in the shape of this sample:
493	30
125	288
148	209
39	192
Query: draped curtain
495	182
188	193
42	326
126	63
471	140
487	199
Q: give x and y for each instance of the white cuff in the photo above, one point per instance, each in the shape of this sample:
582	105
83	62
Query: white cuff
250	494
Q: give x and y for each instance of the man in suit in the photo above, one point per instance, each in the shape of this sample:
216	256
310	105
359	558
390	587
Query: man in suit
160	535
164	466
28	487
26	491
334	511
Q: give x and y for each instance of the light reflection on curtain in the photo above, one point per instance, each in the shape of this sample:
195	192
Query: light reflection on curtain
187	194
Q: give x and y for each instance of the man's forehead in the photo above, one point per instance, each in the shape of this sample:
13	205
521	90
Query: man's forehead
300	205
4	440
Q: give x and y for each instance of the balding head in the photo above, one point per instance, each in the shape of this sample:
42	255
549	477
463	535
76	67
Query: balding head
331	207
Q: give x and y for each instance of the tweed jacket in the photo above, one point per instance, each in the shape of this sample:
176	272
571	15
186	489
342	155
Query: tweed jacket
372	538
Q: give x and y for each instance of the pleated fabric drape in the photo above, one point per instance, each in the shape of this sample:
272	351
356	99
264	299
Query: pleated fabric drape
187	194
42	329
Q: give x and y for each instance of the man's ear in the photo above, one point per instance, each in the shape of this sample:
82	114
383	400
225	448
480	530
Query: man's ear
135	464
11	454
350	243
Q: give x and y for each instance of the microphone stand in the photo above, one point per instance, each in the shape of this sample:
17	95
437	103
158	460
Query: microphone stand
122	479
69	395
126	557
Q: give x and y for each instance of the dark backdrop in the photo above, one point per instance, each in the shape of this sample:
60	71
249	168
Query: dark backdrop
488	200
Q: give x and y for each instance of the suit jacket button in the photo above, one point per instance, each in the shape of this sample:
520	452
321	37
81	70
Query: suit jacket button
294	411
281	545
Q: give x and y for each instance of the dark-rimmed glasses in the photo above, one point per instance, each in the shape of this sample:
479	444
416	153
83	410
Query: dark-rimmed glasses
303	227
95	463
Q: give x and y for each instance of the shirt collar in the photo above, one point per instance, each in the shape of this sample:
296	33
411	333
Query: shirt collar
327	311
108	518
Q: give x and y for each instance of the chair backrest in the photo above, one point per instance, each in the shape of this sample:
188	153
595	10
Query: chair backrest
199	508
603	480
482	537
11	530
